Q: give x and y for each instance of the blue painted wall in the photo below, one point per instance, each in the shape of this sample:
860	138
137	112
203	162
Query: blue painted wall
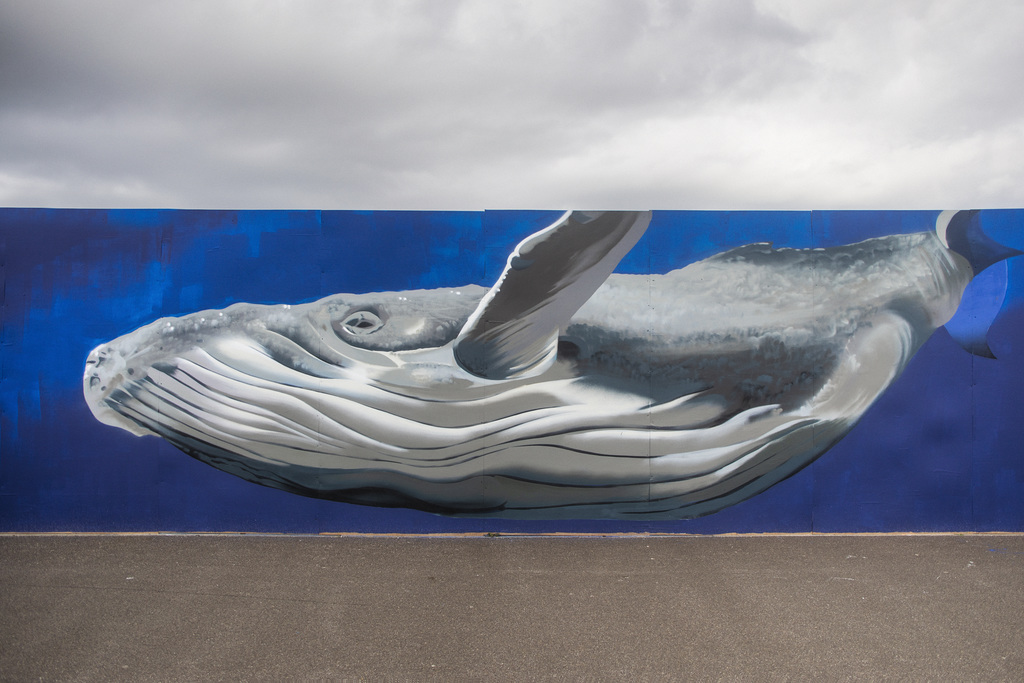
940	451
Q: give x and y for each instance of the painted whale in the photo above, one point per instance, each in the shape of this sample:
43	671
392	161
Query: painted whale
564	391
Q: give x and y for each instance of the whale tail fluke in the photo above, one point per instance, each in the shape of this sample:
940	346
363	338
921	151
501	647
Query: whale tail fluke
961	231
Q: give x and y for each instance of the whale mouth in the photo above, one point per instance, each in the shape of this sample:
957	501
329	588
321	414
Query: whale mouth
236	393
233	406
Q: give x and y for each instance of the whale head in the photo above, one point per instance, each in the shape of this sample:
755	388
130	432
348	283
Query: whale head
341	336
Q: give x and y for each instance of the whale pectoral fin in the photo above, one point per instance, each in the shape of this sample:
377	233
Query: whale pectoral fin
548	277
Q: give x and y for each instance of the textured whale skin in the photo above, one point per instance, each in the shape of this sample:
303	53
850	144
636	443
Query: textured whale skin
667	396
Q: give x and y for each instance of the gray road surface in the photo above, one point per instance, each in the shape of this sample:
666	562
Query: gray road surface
279	608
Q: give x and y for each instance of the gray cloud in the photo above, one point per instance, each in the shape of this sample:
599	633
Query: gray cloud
474	104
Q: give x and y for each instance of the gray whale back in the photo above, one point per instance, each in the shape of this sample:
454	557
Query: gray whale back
659	396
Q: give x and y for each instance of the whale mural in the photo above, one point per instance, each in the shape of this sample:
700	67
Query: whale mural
563	391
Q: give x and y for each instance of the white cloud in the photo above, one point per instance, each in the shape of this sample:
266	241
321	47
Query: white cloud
474	104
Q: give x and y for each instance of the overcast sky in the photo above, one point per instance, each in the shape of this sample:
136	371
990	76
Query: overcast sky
442	104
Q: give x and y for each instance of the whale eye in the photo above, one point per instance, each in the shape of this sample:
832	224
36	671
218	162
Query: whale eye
360	323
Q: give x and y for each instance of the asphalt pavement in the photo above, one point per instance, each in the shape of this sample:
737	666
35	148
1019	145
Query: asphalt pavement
511	608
